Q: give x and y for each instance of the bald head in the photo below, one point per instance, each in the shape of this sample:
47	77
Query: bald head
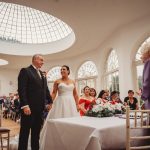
36	56
37	60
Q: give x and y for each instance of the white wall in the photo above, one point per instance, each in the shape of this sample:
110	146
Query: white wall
8	81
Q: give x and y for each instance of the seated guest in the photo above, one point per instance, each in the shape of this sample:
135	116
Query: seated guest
85	101
93	92
107	94
17	107
6	107
131	101
114	97
2	100
102	96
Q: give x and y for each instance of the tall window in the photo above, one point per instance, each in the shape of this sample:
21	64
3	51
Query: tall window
53	75
112	72
87	75
139	64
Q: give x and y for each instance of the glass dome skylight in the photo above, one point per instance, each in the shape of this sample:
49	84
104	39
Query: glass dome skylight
21	24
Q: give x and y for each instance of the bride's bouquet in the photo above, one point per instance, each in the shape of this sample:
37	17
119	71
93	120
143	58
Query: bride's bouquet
105	109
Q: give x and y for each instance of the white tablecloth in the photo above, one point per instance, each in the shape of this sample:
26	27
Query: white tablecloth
85	133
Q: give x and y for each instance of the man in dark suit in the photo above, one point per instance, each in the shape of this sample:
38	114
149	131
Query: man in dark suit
33	91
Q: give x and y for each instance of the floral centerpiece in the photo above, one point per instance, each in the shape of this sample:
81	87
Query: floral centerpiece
105	109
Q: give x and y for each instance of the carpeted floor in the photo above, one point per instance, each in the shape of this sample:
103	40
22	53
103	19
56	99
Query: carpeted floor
13	126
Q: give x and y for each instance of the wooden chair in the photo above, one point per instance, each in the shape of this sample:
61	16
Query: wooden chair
4	133
140	121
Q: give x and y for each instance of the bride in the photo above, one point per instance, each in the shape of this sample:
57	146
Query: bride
65	103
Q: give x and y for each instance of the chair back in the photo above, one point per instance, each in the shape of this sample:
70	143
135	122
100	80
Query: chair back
139	120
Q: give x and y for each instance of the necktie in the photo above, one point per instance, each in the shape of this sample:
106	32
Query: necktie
38	73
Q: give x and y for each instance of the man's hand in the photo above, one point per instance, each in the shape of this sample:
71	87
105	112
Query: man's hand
27	110
49	106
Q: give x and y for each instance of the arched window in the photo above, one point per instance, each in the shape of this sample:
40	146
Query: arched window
139	64
112	72
87	75
53	75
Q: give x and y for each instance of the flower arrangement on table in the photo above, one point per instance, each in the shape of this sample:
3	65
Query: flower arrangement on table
105	109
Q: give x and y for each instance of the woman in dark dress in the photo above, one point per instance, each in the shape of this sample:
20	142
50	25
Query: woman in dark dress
131	101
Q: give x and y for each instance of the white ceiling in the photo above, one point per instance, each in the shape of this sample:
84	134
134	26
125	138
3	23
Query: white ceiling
93	21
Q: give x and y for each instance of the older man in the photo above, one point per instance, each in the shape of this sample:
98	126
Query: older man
146	77
33	91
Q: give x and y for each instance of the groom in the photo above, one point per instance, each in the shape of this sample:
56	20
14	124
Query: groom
33	91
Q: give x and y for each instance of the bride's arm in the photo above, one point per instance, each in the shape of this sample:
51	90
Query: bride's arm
75	94
55	89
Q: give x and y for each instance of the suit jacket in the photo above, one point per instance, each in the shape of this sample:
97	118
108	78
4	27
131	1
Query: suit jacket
32	89
146	81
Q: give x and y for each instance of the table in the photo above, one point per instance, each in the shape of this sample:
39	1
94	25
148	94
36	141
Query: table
85	133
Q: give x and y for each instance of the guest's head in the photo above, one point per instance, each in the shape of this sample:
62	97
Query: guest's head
11	96
93	92
130	93
86	90
145	53
107	92
102	94
4	97
65	71
114	95
38	60
16	95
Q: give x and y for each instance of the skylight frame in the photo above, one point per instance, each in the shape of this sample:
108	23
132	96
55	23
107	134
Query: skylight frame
21	24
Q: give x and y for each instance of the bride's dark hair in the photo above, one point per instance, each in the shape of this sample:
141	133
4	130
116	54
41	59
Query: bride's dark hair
67	67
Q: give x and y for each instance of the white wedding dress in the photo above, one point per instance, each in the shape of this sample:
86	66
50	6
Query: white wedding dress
64	106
